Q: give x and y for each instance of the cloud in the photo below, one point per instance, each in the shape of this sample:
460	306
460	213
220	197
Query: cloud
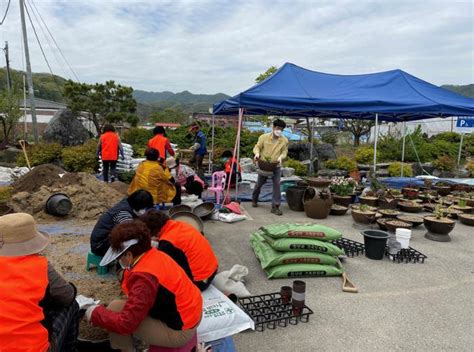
221	46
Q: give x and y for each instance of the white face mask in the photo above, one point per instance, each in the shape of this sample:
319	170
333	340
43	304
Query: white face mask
140	212
277	133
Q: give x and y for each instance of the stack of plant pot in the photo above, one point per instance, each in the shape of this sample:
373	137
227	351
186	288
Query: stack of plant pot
317	200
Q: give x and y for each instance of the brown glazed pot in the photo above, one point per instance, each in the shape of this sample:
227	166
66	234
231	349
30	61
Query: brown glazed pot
345	201
467	219
266	165
410	208
394	224
467	209
318	208
443	190
338	209
363	217
371	201
385	203
438	230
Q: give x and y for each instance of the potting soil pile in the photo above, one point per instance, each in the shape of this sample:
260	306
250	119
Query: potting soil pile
297	250
89	196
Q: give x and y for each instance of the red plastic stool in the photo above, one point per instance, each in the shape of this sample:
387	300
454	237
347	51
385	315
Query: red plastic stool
189	347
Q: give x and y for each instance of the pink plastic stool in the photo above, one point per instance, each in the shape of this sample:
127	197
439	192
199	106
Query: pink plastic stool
189	347
218	184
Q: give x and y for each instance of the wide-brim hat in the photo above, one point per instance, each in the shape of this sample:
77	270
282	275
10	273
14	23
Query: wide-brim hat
19	236
171	162
113	254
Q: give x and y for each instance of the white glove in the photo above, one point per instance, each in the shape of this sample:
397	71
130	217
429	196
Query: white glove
256	157
89	312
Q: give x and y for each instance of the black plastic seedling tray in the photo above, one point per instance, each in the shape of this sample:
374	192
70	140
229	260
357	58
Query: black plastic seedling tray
268	311
408	255
350	247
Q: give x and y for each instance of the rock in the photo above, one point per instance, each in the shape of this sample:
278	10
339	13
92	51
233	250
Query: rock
418	171
332	173
66	129
300	152
325	151
247	165
463	173
287	171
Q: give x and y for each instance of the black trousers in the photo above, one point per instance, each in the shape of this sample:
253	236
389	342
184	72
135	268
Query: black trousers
109	164
63	328
177	197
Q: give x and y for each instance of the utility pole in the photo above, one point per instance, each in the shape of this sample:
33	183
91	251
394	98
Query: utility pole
29	76
9	81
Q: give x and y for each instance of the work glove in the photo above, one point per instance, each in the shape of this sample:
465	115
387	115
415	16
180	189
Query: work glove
256	157
89	312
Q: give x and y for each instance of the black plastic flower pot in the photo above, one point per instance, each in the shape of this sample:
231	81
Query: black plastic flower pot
375	241
294	197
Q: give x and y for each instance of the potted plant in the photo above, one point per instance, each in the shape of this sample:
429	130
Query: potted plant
394	224
387	201
466	219
317	204
438	225
443	188
389	213
337	209
414	220
410	206
410	193
343	188
363	214
266	164
462	205
469	198
369	199
453	213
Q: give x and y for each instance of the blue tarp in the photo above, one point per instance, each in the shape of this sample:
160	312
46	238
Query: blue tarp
395	95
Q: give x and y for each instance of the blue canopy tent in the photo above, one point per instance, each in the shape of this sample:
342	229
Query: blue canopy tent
393	96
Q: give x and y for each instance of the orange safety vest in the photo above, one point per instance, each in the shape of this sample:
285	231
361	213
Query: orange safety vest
228	165
159	143
23	283
110	144
201	258
178	301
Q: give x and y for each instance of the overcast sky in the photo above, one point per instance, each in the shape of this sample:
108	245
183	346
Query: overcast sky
221	46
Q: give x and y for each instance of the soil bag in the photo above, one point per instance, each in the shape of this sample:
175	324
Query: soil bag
221	317
302	270
303	245
269	257
314	231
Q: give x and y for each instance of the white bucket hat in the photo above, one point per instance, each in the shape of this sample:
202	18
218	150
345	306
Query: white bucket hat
171	162
112	254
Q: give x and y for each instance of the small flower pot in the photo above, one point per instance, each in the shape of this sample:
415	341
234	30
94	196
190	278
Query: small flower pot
438	229
410	207
389	213
363	217
466	219
345	201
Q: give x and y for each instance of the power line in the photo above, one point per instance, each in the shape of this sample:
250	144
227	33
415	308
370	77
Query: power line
54	41
6	12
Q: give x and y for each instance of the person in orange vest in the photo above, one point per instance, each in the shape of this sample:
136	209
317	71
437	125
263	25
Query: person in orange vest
163	307
186	245
38	310
161	143
229	160
108	149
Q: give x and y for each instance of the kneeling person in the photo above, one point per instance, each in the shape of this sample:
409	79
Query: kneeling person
186	245
163	307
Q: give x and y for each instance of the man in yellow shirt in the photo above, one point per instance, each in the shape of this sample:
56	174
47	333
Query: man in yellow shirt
272	147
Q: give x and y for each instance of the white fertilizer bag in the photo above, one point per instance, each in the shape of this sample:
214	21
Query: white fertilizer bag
221	317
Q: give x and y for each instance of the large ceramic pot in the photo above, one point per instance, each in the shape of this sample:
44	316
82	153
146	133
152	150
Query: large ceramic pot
345	201
371	201
317	208
294	197
467	219
438	229
363	217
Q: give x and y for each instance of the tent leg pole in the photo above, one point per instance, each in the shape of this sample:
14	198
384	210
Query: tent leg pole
375	141
460	150
311	131
211	156
403	147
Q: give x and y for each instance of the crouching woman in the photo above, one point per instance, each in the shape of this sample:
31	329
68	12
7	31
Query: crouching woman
163	307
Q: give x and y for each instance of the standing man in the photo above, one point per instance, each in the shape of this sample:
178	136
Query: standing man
161	143
199	148
271	147
108	149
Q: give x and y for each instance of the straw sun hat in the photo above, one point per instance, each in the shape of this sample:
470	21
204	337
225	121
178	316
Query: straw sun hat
19	236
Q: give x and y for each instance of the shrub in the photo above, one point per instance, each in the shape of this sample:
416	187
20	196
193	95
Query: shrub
364	154
139	136
300	168
81	158
329	137
445	163
342	163
126	176
42	153
395	169
5	193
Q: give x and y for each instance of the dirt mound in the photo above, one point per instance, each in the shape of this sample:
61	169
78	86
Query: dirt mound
42	175
89	196
120	186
